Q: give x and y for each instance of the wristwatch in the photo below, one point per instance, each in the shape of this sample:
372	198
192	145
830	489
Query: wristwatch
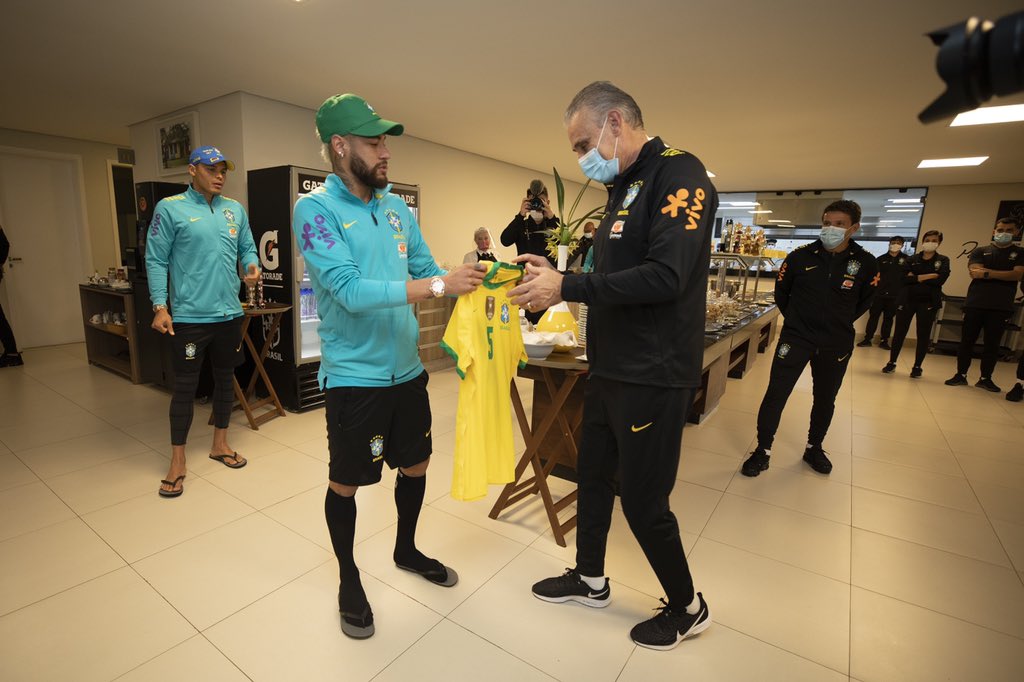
436	287
158	307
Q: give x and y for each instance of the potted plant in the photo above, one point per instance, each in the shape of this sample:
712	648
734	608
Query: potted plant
562	239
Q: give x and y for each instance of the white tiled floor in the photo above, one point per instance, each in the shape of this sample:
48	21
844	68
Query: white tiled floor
905	564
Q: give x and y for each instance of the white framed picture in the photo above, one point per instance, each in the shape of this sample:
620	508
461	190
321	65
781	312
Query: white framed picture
176	137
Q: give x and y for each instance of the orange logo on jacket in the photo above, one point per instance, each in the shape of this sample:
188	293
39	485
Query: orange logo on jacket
679	202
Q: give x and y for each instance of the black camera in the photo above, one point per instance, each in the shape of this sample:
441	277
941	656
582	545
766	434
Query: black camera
977	59
536	204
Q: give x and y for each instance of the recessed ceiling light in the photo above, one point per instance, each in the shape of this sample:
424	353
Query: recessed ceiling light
949	163
889	221
986	115
711	175
742	203
780	221
904	201
760	211
903	210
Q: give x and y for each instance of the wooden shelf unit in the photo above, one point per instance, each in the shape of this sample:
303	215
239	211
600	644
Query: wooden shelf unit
111	346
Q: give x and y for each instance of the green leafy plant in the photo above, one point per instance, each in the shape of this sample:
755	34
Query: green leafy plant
565	233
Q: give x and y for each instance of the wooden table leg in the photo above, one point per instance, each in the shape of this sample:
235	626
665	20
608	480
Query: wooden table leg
515	491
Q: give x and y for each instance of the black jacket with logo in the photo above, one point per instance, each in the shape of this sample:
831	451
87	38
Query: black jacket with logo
821	294
648	291
930	290
892	274
528	235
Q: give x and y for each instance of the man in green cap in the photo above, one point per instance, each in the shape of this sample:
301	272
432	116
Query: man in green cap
368	262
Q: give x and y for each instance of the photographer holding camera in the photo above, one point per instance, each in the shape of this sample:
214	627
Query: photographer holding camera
529	229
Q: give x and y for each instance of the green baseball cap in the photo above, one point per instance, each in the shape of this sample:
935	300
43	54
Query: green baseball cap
349	114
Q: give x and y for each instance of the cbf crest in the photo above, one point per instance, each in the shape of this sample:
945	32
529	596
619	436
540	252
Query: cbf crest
1013	255
190	351
229	215
853	267
631	193
504	313
394	220
377	447
783	350
489	308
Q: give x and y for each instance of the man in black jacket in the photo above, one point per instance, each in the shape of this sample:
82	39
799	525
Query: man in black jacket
995	270
891	271
528	230
822	288
645	344
11	357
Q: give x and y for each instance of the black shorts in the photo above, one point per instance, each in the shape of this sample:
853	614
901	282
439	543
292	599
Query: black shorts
192	339
367	426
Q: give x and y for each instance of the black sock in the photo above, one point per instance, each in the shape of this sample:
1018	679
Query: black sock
340	512
409	492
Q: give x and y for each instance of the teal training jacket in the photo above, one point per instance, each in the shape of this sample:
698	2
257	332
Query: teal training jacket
359	257
200	244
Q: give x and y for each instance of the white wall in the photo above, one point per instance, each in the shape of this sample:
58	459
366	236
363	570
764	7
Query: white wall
459	191
964	213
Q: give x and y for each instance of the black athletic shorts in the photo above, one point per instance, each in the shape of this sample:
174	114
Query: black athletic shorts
367	426
192	339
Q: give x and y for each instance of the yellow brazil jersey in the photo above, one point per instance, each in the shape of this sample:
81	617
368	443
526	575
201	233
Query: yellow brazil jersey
484	338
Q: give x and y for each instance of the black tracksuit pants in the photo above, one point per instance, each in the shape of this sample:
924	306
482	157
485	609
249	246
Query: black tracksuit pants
633	432
976	320
925	310
828	367
190	344
884	307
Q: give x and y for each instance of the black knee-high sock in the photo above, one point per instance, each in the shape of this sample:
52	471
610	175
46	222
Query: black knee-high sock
341	522
409	492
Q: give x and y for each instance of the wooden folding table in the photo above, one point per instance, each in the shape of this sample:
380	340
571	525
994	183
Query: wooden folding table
558	375
245	398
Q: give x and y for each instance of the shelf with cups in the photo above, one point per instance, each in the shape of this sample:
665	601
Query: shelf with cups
108	344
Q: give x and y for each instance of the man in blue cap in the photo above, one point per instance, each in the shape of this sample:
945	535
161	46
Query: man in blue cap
198	238
368	262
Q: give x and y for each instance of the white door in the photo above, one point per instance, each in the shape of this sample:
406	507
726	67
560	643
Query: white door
41	213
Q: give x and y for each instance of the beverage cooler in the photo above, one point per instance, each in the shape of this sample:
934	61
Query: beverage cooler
294	357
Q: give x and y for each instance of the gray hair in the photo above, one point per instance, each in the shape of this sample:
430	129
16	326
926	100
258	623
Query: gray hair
481	230
599	98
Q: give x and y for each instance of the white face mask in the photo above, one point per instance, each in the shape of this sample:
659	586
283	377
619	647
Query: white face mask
537	216
930	247
894	249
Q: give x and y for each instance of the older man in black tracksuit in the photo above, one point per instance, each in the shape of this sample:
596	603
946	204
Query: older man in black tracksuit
645	343
822	288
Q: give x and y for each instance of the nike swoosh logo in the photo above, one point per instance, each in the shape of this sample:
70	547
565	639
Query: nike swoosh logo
597	595
844	357
192	220
810	267
348	225
427	434
638	429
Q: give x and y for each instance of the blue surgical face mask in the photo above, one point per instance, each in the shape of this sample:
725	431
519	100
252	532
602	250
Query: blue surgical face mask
831	236
1002	238
595	166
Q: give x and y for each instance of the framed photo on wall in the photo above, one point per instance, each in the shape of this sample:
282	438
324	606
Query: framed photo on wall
176	137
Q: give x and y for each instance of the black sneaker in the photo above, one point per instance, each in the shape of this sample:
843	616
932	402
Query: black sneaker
864	344
987	384
11	360
756	463
885	345
915	373
670	627
1016	394
357	625
957	380
889	368
815	456
570	587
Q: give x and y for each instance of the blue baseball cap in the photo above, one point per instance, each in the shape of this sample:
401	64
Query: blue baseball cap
209	156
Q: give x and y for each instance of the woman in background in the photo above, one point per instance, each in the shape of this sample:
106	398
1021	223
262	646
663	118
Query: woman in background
926	272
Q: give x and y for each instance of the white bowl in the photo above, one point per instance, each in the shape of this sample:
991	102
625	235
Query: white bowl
538	351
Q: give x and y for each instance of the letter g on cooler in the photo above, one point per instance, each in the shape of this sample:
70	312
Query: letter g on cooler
269	254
